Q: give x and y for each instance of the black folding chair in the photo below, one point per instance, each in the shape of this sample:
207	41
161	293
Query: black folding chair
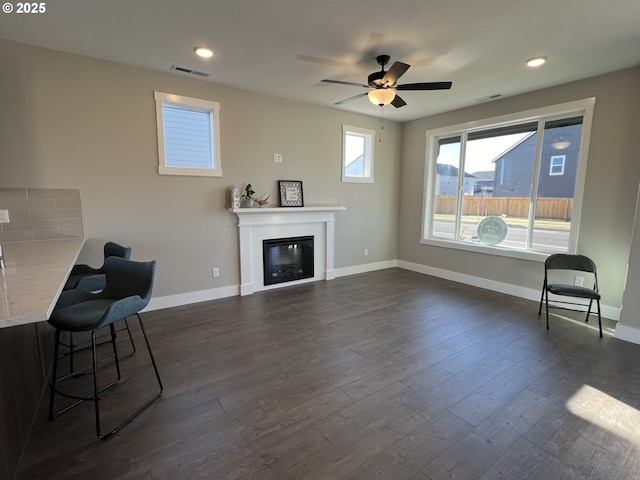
571	264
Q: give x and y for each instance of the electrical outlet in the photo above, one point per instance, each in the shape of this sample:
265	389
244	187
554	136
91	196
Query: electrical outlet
277	158
366	252
216	272
578	281
4	216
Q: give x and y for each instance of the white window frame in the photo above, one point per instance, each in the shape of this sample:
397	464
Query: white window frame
369	142
560	164
197	105
582	107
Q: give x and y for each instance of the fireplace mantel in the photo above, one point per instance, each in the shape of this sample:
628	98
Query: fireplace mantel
258	224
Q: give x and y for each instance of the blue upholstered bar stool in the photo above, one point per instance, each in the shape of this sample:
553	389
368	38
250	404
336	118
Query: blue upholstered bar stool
126	292
93	279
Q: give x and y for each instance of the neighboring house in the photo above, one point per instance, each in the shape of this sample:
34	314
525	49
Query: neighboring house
483	183
447	181
513	176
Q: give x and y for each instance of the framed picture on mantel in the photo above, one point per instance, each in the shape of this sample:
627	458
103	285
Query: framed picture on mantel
290	193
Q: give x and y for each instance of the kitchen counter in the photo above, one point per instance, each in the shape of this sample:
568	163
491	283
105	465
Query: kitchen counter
34	276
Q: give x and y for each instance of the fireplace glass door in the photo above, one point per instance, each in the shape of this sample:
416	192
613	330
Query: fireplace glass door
287	259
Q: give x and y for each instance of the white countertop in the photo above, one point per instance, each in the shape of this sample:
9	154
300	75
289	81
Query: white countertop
34	276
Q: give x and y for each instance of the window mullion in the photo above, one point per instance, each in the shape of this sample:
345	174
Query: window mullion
460	194
534	184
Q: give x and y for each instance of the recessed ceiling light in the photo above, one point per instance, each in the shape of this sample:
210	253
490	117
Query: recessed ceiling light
536	62
203	52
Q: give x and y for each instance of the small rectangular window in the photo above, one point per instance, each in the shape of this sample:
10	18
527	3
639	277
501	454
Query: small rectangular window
556	167
357	154
188	136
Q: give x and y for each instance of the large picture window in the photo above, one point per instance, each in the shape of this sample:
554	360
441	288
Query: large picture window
188	136
510	185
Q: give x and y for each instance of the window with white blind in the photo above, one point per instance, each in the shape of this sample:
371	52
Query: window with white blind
188	136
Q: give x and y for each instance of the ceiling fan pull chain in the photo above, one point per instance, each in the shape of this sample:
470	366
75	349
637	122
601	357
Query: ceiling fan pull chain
381	122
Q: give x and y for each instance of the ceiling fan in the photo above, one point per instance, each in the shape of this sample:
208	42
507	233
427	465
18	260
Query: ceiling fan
382	85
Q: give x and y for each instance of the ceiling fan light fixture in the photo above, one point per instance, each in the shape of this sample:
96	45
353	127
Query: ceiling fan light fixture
381	96
203	52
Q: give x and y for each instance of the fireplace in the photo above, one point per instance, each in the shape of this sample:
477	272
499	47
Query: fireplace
287	259
256	225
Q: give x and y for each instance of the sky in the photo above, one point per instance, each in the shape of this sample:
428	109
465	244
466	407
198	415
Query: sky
479	152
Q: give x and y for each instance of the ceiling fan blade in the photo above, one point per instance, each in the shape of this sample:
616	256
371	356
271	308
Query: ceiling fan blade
394	73
425	86
351	98
398	102
340	82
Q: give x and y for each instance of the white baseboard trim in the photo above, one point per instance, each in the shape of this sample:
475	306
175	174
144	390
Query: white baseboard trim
364	268
480	282
627	333
623	332
158	303
608	311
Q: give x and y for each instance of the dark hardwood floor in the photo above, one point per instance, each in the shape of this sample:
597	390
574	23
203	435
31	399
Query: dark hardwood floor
384	375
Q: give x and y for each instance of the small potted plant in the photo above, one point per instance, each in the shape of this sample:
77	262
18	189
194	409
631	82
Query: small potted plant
247	198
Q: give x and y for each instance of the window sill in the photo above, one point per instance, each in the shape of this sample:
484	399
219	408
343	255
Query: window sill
487	250
189	172
357	180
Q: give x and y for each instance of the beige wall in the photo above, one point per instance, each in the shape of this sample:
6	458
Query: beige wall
73	122
612	177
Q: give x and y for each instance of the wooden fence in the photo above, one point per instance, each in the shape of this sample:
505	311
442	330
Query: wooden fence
548	208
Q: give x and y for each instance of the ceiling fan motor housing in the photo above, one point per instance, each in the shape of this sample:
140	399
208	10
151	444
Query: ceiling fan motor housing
375	79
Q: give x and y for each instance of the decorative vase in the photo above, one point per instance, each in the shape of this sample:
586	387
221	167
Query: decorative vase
235	198
247	203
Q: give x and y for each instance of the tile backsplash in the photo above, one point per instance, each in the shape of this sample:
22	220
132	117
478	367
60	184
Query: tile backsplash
41	214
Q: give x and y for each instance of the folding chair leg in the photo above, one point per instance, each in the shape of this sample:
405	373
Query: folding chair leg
588	311
541	299
599	318
547	308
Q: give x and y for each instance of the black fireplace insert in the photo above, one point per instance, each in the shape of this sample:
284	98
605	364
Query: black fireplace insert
287	259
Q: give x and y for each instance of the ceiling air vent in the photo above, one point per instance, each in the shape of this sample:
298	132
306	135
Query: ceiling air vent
189	71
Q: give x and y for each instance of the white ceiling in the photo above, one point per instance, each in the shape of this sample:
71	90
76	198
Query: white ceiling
285	47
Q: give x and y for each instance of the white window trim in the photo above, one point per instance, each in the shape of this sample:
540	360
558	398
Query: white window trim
196	104
370	136
584	107
551	165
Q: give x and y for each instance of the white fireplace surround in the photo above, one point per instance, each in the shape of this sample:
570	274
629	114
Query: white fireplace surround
258	224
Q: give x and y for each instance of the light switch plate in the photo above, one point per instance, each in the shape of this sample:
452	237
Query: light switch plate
4	216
